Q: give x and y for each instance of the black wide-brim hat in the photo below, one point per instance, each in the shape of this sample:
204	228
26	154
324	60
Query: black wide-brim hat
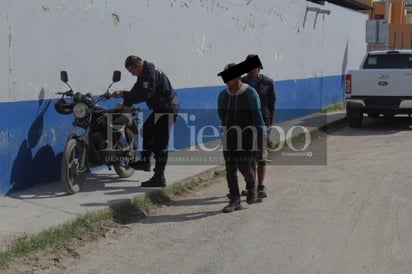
238	70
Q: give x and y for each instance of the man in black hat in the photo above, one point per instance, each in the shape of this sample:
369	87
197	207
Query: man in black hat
266	90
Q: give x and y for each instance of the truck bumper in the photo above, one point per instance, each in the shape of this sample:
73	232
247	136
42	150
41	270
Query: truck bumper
406	104
355	103
386	105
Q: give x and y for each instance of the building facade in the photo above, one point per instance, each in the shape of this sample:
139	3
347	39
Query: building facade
306	47
399	13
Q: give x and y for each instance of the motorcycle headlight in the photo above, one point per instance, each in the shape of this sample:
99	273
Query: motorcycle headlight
80	110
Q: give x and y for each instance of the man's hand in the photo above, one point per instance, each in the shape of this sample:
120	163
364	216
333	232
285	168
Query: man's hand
117	94
269	144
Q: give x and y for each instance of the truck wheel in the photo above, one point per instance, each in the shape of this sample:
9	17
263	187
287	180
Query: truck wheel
354	116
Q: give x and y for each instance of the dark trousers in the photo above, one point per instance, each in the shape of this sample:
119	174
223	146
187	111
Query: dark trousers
156	133
239	160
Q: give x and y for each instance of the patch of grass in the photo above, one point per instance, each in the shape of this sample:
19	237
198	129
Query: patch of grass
126	212
219	173
334	107
55	237
322	131
331	127
316	133
86	224
301	138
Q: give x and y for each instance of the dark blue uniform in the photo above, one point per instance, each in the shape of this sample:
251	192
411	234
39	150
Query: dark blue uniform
154	88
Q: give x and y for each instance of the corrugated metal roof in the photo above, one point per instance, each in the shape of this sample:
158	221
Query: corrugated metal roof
407	2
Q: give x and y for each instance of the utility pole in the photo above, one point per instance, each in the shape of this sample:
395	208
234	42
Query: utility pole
387	20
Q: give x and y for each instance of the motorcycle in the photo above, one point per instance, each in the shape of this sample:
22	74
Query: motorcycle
100	136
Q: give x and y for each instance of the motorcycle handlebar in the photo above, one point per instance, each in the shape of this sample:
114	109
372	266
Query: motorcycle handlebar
131	110
104	96
67	93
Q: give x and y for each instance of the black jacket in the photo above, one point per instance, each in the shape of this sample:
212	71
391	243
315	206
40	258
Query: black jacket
266	90
154	88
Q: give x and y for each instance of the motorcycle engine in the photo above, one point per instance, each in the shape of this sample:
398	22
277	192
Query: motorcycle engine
99	140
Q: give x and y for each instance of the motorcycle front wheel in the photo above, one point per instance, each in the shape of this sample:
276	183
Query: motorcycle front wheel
73	169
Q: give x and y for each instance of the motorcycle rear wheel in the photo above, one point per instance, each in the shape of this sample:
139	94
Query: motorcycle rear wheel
122	169
73	169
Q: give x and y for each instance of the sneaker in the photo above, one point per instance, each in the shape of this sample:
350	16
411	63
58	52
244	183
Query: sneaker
234	204
261	193
141	165
251	196
154	182
243	193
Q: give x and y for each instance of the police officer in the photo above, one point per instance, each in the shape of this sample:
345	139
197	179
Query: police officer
154	88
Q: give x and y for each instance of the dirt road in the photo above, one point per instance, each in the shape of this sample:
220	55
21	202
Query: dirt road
353	215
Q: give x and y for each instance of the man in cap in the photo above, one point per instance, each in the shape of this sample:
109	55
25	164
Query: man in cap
242	129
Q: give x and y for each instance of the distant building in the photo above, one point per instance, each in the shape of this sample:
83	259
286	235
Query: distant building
399	22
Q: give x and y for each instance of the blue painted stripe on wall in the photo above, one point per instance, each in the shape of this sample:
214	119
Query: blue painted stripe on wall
333	90
199	97
33	134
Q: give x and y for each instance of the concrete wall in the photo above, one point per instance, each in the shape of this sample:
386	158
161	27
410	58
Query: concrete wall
190	40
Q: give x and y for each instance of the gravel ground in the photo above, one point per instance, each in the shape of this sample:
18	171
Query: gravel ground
349	216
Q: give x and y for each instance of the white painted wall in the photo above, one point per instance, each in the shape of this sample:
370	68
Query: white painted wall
191	40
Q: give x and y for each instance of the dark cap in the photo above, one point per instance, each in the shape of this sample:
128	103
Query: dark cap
233	71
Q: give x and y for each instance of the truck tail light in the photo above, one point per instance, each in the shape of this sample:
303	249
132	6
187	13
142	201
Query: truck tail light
348	84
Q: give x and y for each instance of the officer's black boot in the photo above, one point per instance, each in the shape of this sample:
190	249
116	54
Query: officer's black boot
158	179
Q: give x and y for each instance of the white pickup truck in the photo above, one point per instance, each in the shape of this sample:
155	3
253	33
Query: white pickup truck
382	86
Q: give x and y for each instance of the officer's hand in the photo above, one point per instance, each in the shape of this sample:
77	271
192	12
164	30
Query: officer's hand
118	107
117	94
